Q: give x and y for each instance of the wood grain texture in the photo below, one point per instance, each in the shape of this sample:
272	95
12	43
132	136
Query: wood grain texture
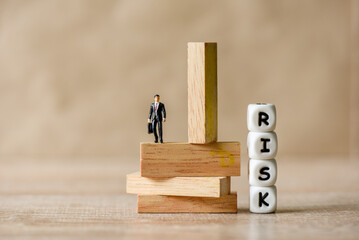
202	92
86	199
190	160
178	186
174	204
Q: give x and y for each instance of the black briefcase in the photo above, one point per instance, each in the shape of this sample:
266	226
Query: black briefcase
150	128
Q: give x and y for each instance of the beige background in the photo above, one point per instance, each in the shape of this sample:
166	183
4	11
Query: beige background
77	77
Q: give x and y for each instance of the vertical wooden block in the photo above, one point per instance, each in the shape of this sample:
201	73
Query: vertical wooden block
202	92
174	204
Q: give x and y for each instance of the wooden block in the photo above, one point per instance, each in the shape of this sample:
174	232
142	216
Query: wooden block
178	186
190	160
174	204
202	92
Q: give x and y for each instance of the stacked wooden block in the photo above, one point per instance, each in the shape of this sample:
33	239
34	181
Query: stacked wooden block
193	176
262	148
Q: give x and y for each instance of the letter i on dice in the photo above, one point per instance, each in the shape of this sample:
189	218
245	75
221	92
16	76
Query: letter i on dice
262	147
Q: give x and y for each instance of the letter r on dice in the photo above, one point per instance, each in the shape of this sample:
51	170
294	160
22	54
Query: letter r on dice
261	117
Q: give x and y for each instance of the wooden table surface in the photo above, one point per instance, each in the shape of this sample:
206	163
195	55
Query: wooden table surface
318	198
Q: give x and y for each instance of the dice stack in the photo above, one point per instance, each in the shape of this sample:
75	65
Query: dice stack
262	147
193	176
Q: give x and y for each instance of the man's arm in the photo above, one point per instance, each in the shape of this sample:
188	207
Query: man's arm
164	112
150	115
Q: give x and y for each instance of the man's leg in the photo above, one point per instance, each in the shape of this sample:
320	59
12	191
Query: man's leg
160	130
155	130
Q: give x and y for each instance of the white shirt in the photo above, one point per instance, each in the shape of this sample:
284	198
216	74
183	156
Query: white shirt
156	106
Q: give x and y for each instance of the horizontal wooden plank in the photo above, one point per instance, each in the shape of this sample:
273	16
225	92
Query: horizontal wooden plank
174	204
190	160
178	186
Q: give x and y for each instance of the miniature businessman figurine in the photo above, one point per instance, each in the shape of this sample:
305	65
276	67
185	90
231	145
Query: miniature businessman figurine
156	110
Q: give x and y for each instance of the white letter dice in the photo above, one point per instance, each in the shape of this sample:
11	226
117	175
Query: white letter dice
262	199
262	173
261	117
262	145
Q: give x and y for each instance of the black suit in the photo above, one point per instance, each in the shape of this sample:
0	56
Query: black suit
156	117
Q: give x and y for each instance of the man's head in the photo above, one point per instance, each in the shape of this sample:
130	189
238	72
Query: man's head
157	98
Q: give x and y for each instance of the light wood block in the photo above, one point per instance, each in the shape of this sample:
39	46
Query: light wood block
190	160
202	92
178	186
174	204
